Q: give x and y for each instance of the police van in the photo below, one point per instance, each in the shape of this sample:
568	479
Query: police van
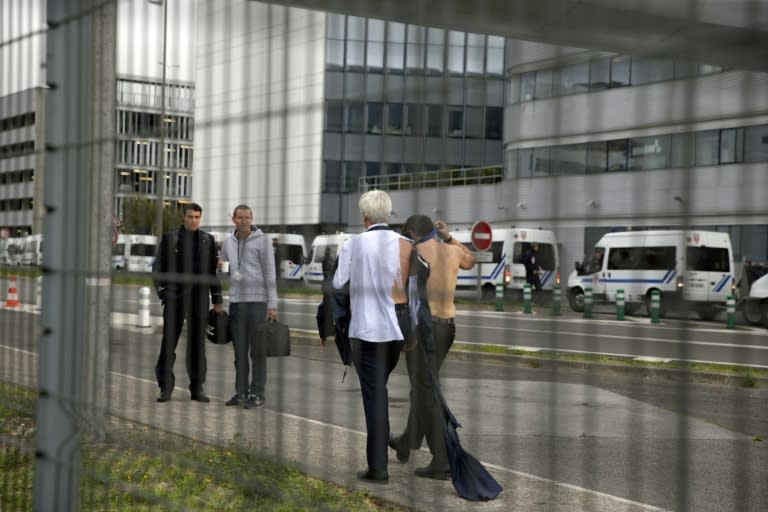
32	250
687	268
290	253
313	270
134	253
503	262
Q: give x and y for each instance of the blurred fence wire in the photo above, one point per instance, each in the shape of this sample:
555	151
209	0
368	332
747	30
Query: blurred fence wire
555	122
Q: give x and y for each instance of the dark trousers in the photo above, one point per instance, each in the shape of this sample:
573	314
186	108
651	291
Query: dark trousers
534	281
245	318
175	311
425	417
374	361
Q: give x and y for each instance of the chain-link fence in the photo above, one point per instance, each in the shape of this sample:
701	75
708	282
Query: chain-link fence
629	138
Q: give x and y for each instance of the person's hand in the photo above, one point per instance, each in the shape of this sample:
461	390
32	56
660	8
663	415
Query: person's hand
272	314
442	230
218	308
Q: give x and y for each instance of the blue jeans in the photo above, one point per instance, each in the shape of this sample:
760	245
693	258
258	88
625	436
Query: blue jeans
245	318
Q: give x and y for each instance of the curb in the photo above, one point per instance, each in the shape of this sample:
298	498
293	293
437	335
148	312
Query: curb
632	368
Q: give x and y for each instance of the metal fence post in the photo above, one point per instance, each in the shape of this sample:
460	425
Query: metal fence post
588	302
499	296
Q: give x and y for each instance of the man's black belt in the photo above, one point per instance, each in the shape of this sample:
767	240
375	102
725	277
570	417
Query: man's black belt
443	321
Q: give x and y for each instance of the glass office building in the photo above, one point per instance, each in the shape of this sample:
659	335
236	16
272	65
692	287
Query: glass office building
22	139
402	99
139	122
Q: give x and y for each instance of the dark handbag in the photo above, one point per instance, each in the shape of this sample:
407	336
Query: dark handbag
218	330
277	337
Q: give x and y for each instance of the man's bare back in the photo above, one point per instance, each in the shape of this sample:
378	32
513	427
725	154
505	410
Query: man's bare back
444	259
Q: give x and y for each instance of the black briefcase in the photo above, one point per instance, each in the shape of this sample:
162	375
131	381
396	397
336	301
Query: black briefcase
277	336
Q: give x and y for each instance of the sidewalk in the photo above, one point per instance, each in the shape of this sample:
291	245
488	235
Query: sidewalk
514	429
322	450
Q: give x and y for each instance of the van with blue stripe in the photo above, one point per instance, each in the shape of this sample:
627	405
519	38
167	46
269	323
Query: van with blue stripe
503	261
290	256
322	246
689	269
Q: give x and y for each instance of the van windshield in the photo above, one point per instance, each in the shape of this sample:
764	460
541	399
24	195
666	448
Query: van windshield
319	253
292	253
143	249
592	262
708	259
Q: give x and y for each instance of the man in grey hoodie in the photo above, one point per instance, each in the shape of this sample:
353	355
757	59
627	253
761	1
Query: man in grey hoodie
252	300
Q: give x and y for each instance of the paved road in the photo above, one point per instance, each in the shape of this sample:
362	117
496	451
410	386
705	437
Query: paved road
558	438
635	337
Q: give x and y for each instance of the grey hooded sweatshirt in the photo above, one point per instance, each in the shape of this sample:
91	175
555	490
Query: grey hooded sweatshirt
253	260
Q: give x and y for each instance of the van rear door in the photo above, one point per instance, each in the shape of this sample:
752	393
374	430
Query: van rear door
709	274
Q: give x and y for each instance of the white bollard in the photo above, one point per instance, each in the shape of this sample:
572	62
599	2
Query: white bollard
144	320
39	292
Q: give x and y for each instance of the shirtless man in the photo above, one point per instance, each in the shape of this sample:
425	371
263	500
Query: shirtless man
445	260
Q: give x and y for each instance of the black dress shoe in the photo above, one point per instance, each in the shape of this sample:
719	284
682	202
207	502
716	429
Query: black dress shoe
403	454
164	397
378	477
200	397
435	472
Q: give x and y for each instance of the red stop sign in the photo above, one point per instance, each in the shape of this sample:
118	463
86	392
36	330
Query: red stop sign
481	235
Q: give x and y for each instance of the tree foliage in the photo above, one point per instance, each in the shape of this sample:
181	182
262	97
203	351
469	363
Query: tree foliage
139	214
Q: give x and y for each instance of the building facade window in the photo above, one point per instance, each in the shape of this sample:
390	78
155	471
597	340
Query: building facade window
475	54
434	120
374	118
662	151
647	153
393	91
455	61
495	56
375	46
600	74
435	50
415	52
731	145
494	121
756	144
395	47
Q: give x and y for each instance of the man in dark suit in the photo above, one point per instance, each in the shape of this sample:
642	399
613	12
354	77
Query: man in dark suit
184	272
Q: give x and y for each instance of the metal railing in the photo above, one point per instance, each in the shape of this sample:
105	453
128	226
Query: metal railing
434	179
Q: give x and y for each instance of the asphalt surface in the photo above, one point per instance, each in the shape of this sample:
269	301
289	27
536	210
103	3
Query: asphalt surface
557	435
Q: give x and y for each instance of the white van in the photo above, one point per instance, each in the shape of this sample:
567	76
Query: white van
694	267
32	250
313	270
11	250
134	253
290	254
505	260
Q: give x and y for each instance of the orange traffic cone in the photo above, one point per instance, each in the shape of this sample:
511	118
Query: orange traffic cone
13	298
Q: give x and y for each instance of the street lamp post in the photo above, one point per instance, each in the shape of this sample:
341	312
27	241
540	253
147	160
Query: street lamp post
161	174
